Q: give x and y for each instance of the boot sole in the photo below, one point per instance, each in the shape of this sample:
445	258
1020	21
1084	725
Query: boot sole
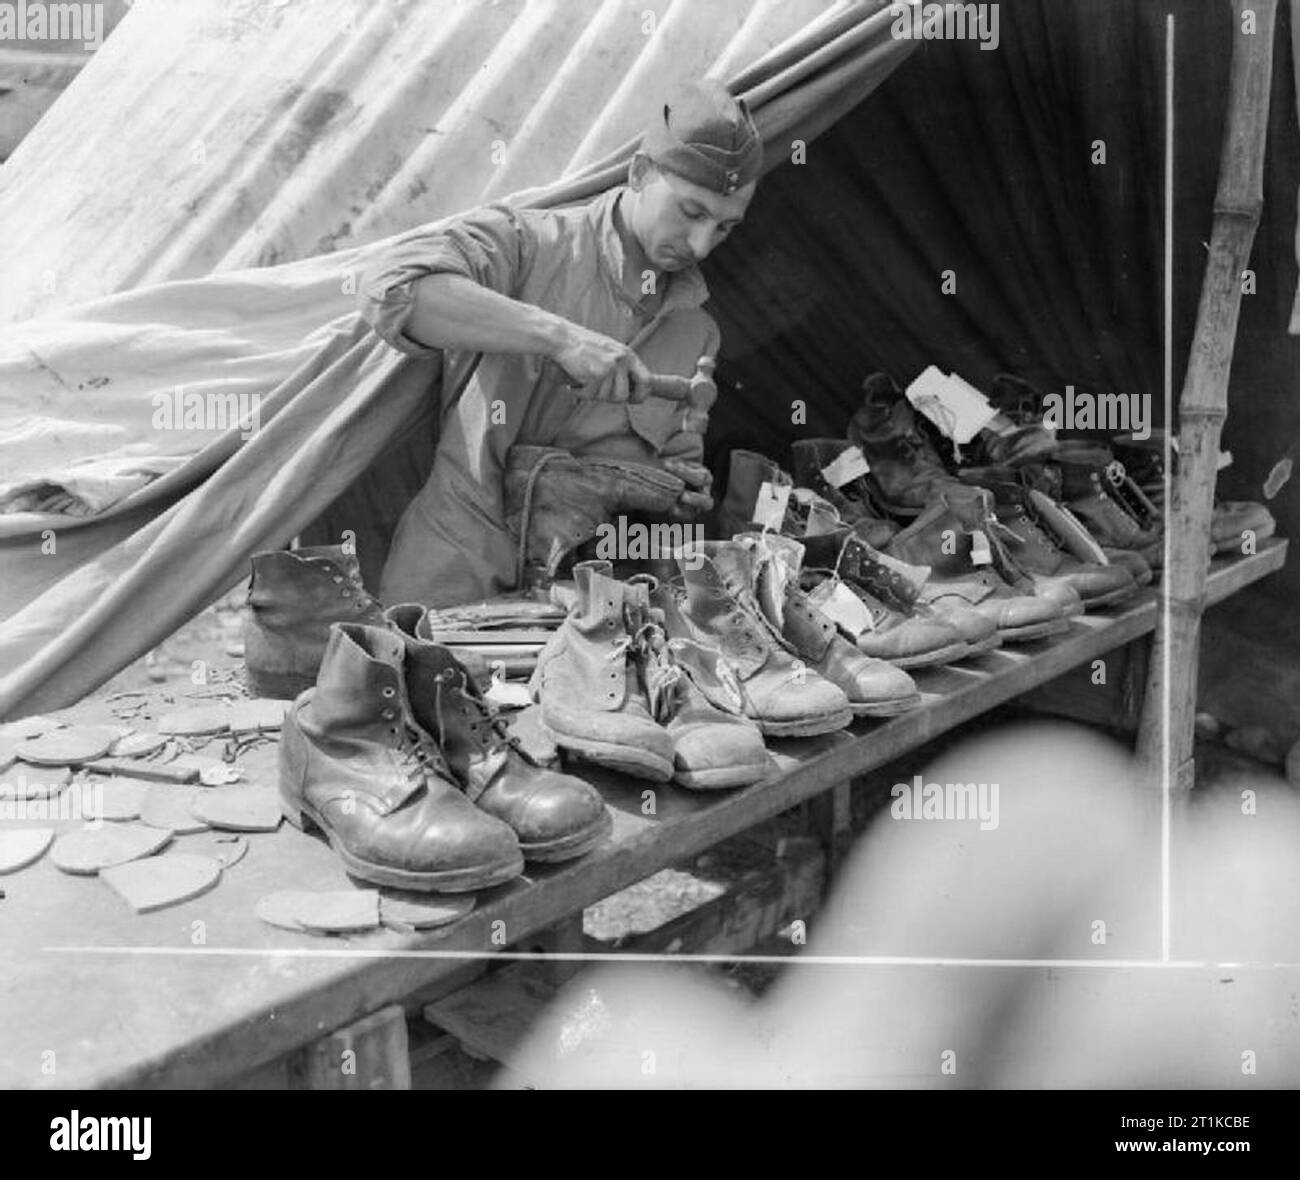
572	846
638	763
466	880
1111	597
982	647
722	777
811	727
1034	631
885	708
942	655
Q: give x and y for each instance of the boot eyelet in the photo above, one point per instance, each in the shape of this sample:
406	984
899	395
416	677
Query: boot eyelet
387	714
388	692
338	578
346	593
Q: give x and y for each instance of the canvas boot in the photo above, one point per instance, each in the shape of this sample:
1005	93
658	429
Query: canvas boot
940	539
589	683
722	612
875	688
1038	553
905	466
554	816
355	763
854	500
294	596
905	630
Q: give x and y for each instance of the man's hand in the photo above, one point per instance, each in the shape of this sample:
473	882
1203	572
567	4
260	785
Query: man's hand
698	498
592	359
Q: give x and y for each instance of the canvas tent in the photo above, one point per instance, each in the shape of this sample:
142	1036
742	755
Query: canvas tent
289	133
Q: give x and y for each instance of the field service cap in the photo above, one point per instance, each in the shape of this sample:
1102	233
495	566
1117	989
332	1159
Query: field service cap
707	137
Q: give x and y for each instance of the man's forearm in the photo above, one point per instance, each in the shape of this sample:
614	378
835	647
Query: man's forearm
452	311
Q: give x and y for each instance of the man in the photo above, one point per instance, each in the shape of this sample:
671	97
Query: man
550	322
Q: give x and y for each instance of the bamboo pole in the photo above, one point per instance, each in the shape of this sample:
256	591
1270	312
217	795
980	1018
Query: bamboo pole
1169	712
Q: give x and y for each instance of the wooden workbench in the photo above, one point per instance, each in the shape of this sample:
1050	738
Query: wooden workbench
93	995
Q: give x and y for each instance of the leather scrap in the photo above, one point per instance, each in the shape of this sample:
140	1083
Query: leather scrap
411	911
239	809
160	881
23	846
196	721
89	850
38	782
68	747
338	911
260	715
119	798
137	744
169	807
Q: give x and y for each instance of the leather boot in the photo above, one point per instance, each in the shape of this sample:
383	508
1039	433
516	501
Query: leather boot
974	507
748	472
355	763
1027	440
698	700
294	596
905	466
854	500
940	539
875	688
556	502
1092	484
721	609
589	682
554	816
1039	553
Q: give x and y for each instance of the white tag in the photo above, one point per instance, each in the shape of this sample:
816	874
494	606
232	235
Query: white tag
508	696
980	553
847	610
769	508
849	465
955	406
1225	460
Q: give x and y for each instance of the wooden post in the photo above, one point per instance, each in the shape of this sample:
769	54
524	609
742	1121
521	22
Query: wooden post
1204	401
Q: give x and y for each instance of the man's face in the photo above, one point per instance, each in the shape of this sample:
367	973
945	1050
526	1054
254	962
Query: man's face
679	223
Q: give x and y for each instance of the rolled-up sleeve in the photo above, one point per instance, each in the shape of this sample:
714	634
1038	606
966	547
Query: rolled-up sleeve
492	246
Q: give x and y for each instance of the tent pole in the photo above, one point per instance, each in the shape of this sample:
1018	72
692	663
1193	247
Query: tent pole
1203	404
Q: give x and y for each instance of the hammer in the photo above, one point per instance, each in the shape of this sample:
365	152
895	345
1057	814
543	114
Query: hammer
698	389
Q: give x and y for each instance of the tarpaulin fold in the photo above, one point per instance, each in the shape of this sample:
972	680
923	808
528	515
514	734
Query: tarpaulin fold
96	593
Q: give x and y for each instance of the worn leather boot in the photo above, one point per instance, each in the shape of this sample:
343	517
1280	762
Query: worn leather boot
556	502
940	539
1093	485
1039	553
1027	440
698	700
875	688
294	596
554	816
854	500
721	609
973	506
589	681
355	763
904	463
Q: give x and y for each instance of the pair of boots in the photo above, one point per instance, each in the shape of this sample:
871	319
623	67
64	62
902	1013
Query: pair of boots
617	689
417	783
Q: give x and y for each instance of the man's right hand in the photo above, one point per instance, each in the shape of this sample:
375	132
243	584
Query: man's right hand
610	370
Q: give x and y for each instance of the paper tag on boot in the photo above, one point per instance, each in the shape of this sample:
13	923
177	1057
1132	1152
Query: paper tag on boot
847	610
769	508
955	406
980	551
850	464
